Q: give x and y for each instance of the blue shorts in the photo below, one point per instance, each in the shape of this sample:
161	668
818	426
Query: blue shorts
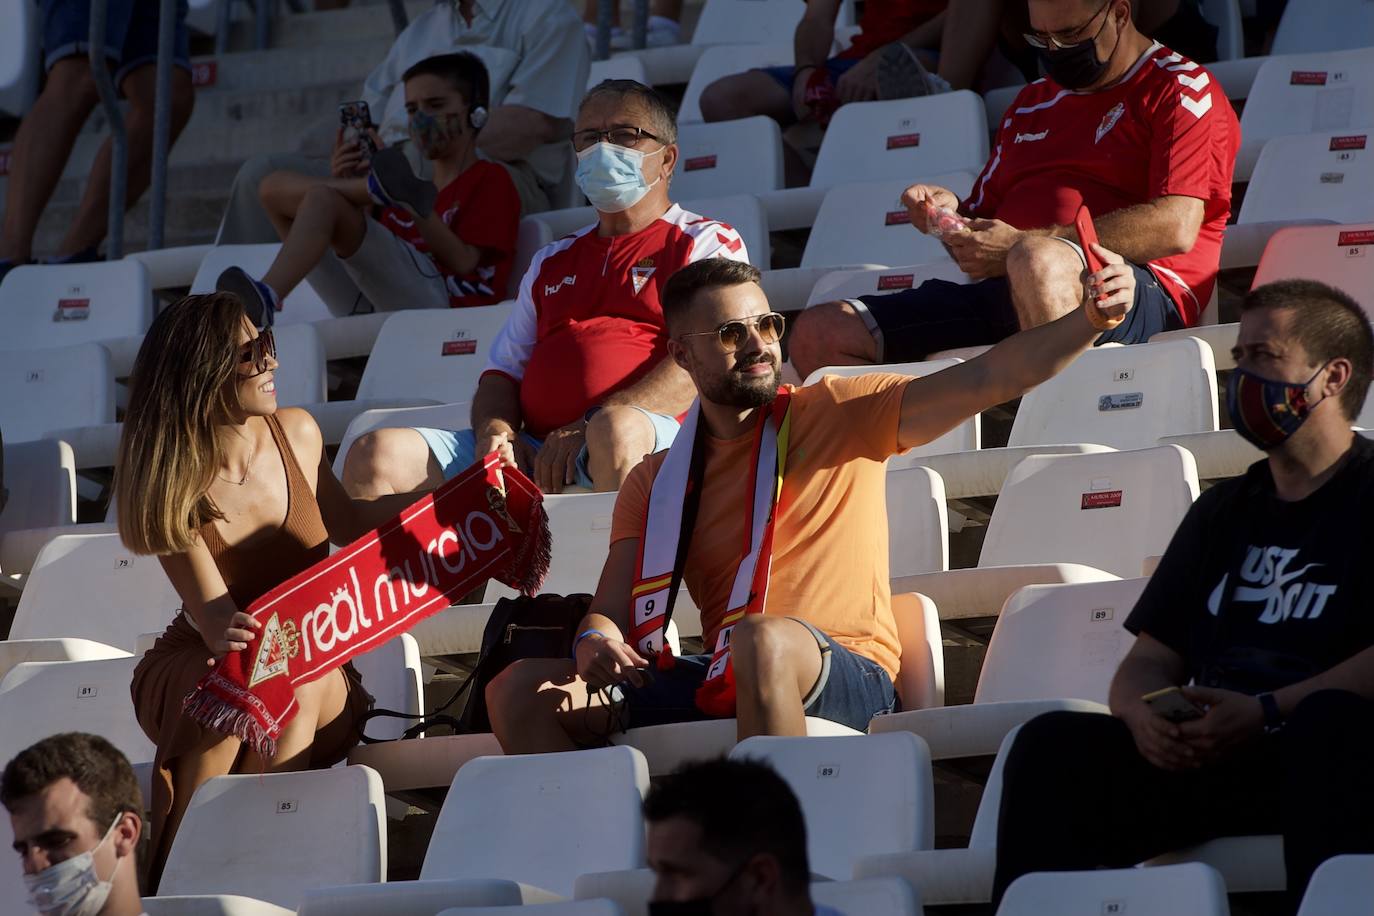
836	66
850	690
454	449
940	315
130	33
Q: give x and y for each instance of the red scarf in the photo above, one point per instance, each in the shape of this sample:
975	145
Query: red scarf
471	529
668	527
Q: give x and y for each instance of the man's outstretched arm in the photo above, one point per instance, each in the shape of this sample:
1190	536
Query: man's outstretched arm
935	404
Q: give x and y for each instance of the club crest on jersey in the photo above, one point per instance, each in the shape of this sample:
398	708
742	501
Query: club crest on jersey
640	273
1109	120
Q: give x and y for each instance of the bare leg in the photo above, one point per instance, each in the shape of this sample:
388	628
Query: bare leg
41	148
319	718
968	37
540	705
830	334
325	219
140	87
618	438
214	757
387	461
776	663
1046	280
745	94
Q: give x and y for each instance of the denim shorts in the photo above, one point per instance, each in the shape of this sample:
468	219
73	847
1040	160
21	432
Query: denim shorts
130	33
941	315
454	449
850	690
835	66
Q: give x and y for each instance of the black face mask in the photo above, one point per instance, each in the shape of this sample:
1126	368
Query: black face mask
698	906
1077	66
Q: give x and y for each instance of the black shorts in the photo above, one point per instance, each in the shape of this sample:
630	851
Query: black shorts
940	315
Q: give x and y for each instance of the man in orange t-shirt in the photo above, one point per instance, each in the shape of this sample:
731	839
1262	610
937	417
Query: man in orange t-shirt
825	643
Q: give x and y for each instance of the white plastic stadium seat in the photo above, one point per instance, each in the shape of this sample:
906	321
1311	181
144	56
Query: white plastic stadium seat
562	908
917	522
1306	93
391	673
272	836
300	376
726	60
599	790
732	22
53	388
169	268
580	524
410	898
902	138
955	875
743	156
304	303
1226	16
667	747
1340	255
866	223
1249	864
1325	25
56	306
1326	175
20	56
619	67
93	587
860	795
15	652
1167	891
1109	397
211	905
530	236
1100	513
921	669
630	890
964	437
40	479
1054	647
1336	884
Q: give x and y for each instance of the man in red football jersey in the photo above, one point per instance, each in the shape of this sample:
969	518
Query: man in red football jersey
1140	135
579	384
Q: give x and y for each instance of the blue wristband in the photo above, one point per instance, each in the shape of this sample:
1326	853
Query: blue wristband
583	635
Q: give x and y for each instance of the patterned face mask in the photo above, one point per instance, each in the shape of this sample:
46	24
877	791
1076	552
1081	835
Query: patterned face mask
434	133
1266	412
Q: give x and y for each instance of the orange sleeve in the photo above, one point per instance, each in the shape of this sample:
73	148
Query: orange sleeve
862	411
632	503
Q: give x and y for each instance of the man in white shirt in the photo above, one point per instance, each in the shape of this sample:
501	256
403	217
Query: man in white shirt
76	812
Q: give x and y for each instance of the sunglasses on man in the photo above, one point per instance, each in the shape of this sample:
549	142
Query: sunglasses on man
733	334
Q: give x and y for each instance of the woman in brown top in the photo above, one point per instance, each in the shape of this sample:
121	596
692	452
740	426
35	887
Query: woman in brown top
234	497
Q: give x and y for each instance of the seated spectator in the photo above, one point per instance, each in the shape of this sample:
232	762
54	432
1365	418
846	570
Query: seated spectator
727	837
579	381
663	28
422	249
537	61
815	632
77	817
234	497
1259	611
49	131
1144	138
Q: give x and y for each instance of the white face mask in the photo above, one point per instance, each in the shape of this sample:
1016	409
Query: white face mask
71	887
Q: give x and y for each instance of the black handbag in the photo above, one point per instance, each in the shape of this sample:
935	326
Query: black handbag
542	626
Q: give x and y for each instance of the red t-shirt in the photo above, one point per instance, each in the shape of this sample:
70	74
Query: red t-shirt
482	208
885	21
587	322
1166	128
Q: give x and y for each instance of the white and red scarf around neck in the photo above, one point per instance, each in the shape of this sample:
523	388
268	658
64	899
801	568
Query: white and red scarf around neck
667	529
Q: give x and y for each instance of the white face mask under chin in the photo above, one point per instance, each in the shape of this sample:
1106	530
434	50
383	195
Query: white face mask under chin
71	887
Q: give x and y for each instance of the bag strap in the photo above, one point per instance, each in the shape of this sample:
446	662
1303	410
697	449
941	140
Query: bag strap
427	721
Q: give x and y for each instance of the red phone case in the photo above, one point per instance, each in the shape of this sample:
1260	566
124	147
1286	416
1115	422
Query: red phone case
1087	237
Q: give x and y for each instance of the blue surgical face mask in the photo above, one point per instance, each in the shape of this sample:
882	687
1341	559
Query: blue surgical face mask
612	176
72	887
1265	411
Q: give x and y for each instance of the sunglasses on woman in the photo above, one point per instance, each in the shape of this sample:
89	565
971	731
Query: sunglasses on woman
256	352
733	334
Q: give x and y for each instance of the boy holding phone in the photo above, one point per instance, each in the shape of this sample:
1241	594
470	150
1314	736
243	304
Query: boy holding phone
1246	704
403	241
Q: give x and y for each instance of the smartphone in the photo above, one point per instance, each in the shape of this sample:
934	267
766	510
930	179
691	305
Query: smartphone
1173	705
1087	237
356	120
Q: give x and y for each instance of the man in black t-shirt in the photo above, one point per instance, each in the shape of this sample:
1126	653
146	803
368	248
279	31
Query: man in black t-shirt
1261	612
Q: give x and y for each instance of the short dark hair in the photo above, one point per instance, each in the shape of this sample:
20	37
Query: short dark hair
94	764
743	808
709	273
661	115
464	72
1329	324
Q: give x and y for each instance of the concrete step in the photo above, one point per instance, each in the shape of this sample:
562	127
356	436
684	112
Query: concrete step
297	30
314	65
192	219
181	179
233	107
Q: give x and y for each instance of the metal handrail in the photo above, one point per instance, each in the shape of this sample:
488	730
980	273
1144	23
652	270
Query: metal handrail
605	10
119	136
399	18
162	123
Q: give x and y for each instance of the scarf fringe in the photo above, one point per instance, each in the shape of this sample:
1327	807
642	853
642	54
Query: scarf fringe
205	706
530	565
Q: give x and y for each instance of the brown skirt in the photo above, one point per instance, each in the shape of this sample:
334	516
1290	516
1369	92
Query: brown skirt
164	676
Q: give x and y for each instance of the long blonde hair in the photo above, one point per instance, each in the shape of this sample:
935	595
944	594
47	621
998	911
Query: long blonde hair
168	453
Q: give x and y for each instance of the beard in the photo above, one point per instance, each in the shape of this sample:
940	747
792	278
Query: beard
735	389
